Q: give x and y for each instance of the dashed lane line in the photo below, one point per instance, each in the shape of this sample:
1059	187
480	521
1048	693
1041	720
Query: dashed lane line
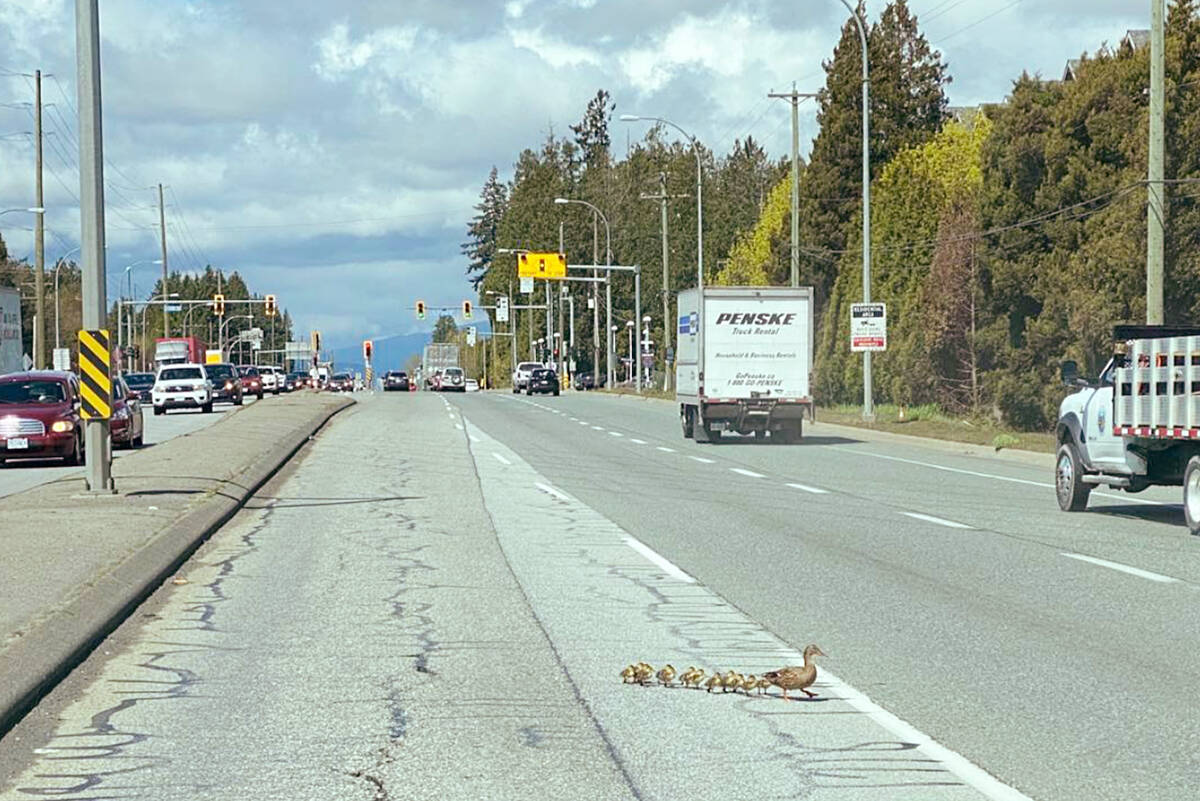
743	472
501	459
665	449
702	460
637	441
1133	571
615	434
937	520
806	488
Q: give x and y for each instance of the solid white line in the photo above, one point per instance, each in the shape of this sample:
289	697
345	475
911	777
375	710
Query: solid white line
616	434
658	559
939	521
666	450
1133	571
637	441
458	426
501	459
749	473
992	476
806	488
549	490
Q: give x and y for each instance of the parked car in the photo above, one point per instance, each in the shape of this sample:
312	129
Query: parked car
227	387
395	381
543	380
127	425
472	385
252	380
140	384
183	386
453	380
39	417
521	375
585	381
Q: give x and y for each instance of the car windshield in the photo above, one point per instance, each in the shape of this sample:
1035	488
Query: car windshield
32	392
180	374
139	380
453	371
528	366
543	373
247	371
220	371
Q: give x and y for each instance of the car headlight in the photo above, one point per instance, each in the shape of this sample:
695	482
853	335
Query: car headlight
122	414
62	426
228	385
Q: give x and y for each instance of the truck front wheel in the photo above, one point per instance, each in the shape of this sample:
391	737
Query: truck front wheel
1191	494
1068	480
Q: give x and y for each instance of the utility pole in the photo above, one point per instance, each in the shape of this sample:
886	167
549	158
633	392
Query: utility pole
662	197
39	233
595	302
1156	207
162	229
97	442
794	98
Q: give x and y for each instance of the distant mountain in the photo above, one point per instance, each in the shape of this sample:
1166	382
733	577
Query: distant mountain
391	353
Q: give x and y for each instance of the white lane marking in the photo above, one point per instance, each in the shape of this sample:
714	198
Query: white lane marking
637	441
702	460
992	476
583	422
574	419
473	438
501	459
616	434
458	426
658	559
597	428
937	520
1133	571
749	473
549	490
666	450
806	488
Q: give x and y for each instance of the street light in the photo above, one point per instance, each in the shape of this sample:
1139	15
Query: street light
868	400
57	326
32	210
699	191
596	292
228	320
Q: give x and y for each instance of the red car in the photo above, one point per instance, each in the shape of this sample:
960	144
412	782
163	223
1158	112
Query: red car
252	383
39	417
127	425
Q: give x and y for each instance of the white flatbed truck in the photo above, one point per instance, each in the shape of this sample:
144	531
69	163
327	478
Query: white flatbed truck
1138	424
744	362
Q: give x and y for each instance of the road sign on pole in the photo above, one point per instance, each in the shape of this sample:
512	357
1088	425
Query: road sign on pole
95	374
471	334
502	309
526	284
542	265
868	326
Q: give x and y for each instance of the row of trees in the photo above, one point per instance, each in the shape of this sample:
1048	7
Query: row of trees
1005	238
145	324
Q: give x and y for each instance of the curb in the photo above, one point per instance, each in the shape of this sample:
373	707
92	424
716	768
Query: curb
48	652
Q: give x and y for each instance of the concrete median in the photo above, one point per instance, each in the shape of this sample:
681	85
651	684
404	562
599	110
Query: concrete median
72	566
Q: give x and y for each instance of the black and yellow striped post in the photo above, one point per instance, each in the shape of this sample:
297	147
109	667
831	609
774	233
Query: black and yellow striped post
95	372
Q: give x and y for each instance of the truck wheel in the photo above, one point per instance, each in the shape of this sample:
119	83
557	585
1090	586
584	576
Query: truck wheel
790	433
1191	494
1068	485
687	421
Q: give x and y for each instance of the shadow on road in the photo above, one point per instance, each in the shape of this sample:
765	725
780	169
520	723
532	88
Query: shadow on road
295	503
1171	514
734	439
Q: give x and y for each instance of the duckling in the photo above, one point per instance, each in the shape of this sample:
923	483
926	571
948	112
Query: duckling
714	682
797	677
643	672
732	681
685	676
666	675
627	675
698	676
763	684
749	683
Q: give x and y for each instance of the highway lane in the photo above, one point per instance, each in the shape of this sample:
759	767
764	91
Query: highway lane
939	581
20	476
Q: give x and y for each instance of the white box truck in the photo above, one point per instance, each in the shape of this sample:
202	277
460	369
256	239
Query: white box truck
744	362
1137	424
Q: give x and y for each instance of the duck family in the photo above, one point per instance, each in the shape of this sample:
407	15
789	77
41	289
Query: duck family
793	677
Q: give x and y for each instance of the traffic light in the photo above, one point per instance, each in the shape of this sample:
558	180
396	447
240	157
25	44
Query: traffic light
219	305
420	310
368	349
466	310
270	306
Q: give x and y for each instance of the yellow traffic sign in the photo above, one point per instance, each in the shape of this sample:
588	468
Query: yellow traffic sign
95	374
542	265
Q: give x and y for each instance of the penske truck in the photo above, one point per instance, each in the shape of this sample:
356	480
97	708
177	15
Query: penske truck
744	363
1137	424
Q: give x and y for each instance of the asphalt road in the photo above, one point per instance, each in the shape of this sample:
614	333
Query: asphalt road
436	600
21	475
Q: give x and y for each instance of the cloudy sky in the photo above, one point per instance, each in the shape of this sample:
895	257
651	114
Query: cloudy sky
332	152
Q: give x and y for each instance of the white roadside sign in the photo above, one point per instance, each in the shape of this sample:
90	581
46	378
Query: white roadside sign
526	284
868	326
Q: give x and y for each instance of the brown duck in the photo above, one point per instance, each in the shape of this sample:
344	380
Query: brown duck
798	677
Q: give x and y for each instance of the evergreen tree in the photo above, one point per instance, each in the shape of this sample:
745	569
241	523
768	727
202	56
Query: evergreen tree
445	329
480	248
591	134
